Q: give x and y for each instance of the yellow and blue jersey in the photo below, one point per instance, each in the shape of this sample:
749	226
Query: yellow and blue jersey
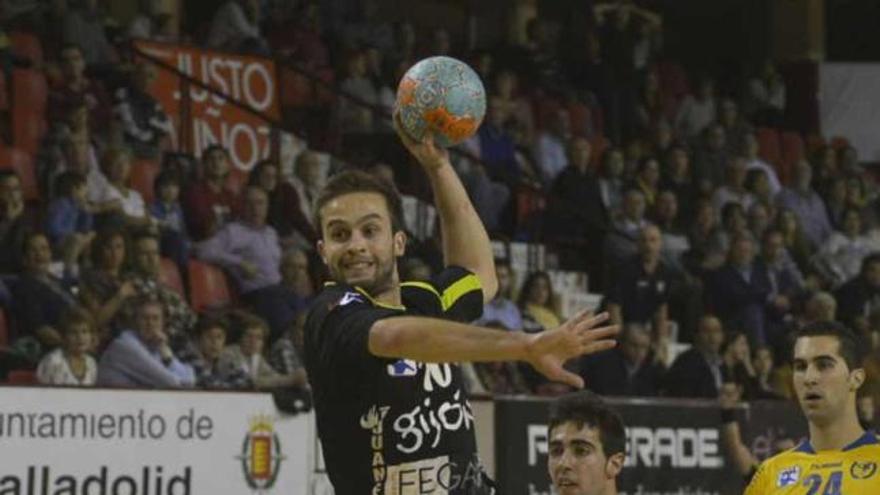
852	470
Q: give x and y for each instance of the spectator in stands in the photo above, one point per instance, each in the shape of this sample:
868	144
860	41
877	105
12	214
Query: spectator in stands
736	367
650	109
146	273
83	25
675	240
247	355
735	128
539	55
835	201
132	211
750	150
414	269
824	167
69	222
152	23
203	355
369	28
647	179
40	296
734	190
640	291
629	369
806	204
763	364
103	289
860	296
733	223
840	258
739	291
296	278
677	177
621	241
551	143
286	353
141	356
356	113
236	28
538	303
71	364
711	159
76	89
696	373
14	221
168	216
786	280
611	183
308	181
297	31
758	186
766	97
496	146
249	251
704	254
758	219
285	213
796	241
517	108
575	210
144	122
696	111
52	156
501	309
210	202
419	216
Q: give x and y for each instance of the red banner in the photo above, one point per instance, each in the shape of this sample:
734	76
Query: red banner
249	80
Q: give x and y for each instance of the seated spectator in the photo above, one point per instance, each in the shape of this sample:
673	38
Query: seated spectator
711	159
611	183
77	154
840	258
121	205
75	89
857	297
296	278
696	373
640	291
805	203
739	290
69	223
146	266
151	23
40	296
71	364
696	111
141	356
795	240
518	108
763	364
766	97
835	201
758	186
629	369
750	151
356	114
737	364
735	128
647	179
249	251
286	353
539	303
824	167
496	146
144	122
203	354
733	223
575	210
285	214
419	216
247	355
786	280
236	28
677	178
103	288
621	242
67	141
550	145
168	215
14	222
307	181
501	309
210	202
759	217
733	190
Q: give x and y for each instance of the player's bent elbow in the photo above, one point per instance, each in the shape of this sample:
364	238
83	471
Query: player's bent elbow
386	339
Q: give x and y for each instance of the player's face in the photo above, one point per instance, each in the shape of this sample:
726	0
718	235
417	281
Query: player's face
823	382
358	245
577	463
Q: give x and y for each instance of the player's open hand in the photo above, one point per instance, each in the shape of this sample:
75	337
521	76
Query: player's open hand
429	155
548	351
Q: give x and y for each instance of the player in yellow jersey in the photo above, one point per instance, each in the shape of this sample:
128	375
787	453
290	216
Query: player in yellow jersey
840	457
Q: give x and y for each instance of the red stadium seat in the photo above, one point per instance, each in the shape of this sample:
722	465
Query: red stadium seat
600	144
28	129
792	152
30	90
296	89
23	164
208	286
27	45
770	149
169	275
22	377
4	329
143	173
4	92
581	119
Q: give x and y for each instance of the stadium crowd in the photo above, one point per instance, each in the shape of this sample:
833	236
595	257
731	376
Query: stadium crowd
712	228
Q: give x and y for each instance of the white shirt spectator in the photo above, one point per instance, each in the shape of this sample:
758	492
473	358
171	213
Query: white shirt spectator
694	115
230	27
840	257
772	178
132	201
54	369
551	156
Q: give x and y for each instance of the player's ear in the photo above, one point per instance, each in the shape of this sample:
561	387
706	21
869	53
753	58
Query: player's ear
856	378
399	243
614	465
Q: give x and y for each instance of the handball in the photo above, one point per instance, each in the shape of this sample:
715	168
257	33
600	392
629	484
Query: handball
443	97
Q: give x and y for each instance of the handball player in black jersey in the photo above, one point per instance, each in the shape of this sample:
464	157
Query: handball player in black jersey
381	354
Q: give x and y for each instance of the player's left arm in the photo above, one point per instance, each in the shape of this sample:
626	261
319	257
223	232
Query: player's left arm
465	241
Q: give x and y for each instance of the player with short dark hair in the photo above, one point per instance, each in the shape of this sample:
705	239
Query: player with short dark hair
840	457
587	445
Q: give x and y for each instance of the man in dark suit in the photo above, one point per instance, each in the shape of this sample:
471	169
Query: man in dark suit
629	369
697	372
859	297
740	291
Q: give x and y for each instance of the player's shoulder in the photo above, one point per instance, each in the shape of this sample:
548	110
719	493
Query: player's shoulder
336	297
444	290
781	470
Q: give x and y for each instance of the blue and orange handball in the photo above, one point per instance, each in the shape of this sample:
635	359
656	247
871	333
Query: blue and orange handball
442	96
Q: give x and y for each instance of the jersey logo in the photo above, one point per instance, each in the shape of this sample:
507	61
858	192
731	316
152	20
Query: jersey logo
350	297
404	367
788	476
863	470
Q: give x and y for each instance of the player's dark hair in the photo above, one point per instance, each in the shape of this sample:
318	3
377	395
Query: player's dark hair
357	181
851	348
585	408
